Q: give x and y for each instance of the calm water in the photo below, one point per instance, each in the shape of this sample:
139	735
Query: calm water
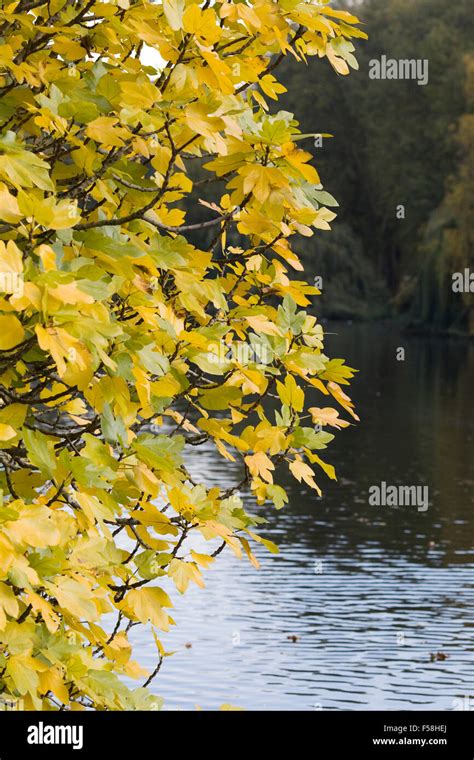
369	591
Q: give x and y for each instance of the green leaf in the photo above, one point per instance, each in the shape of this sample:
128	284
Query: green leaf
160	451
41	451
113	428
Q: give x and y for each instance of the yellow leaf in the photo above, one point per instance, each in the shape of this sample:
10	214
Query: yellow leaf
322	218
343	398
7	555
173	10
61	346
337	63
248	552
133	670
328	468
47	256
257	181
70	293
260	323
51	680
327	416
140	95
75	598
8	604
202	24
290	393
64	214
183	572
146	605
104	130
198	119
11	331
35	527
344	15
9	209
298	159
273	548
7	432
302	471
271	86
45	609
202	559
22	670
25	169
260	465
69	49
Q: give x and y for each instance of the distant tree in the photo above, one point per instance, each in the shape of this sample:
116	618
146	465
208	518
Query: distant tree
445	292
393	139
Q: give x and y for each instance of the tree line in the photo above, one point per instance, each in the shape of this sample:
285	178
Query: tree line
400	164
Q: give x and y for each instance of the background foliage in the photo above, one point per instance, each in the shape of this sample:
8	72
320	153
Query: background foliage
395	142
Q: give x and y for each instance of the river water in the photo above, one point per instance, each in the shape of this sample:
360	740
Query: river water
368	592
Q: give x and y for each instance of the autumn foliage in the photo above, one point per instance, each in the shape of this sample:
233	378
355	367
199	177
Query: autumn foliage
124	344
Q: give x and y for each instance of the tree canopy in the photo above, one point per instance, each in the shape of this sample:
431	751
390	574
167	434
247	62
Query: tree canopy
395	143
124	345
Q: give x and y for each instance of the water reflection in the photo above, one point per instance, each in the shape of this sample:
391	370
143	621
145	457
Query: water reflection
365	593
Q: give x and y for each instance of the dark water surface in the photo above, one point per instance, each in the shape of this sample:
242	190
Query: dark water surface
369	591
